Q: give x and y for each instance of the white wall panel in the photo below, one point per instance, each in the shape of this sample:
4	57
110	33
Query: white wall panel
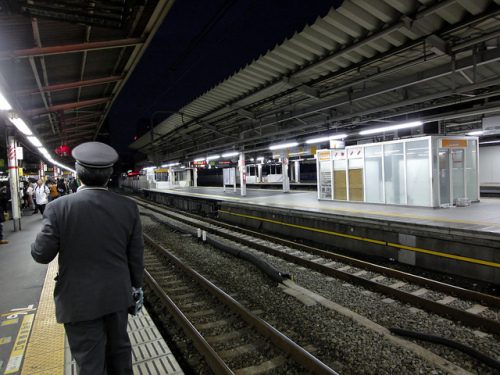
489	164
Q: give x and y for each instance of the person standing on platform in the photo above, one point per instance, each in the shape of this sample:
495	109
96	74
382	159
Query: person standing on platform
98	236
3	210
42	196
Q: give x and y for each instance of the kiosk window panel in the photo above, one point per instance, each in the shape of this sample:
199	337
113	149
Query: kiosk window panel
471	175
394	173
418	173
373	174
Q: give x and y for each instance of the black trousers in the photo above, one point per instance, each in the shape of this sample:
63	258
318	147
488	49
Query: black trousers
40	207
101	346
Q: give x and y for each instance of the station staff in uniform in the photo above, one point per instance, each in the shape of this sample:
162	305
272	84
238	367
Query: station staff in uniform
98	237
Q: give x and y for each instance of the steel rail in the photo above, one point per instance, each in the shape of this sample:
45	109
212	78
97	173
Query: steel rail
213	360
295	351
465	317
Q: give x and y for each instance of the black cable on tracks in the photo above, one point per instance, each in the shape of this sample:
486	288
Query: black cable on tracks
492	362
261	264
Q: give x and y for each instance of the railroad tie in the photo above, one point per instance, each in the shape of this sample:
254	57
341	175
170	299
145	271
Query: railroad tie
419	292
263	367
345	268
477	309
235	352
212	340
446	300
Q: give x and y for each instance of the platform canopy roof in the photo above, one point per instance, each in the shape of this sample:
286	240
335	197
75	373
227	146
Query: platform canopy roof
365	63
63	63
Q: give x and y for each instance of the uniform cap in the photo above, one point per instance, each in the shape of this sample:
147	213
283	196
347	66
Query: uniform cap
95	155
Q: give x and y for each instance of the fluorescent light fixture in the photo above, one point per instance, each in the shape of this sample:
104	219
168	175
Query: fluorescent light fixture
169	165
43	151
199	159
213	157
4	104
391	127
34	141
229	154
476	132
21	125
261	158
283	145
489	142
326	139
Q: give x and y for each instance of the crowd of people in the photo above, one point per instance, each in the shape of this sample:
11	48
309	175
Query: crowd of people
36	195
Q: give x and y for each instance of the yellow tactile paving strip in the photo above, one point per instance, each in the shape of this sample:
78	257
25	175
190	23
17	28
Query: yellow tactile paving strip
45	352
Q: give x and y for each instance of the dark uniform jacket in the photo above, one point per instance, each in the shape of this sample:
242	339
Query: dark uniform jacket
98	237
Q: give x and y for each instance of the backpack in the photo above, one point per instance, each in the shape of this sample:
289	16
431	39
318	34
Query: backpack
53	191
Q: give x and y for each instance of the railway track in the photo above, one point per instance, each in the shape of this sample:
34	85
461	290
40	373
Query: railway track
232	339
471	308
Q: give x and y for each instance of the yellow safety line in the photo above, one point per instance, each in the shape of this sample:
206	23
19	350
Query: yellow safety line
45	353
358	238
446	255
378	242
16	356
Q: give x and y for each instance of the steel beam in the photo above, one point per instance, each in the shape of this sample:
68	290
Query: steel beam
67	106
70	85
71	48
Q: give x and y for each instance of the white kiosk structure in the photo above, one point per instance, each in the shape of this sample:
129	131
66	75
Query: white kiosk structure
432	171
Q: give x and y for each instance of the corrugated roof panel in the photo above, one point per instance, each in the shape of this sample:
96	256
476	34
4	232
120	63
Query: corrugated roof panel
395	38
241	83
474	7
379	9
353	56
100	63
403	6
345	24
359	15
318	38
61	67
379	45
16	33
264	64
366	51
331	31
275	60
296	49
341	61
429	24
213	100
265	75
452	14
230	90
299	41
252	77
289	56
51	35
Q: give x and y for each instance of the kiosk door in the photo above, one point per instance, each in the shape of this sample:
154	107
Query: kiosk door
444	177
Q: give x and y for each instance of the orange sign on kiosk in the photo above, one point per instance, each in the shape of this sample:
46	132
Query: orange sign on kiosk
453	143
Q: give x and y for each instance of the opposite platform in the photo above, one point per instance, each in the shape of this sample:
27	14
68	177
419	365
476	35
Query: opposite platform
463	241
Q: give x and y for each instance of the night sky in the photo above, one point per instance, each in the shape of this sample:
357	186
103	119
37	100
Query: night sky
199	45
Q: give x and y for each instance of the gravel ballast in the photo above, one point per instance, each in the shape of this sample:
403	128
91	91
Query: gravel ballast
340	342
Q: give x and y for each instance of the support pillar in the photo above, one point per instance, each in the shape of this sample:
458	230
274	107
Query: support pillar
259	173
243	174
284	171
14	182
195	177
296	165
